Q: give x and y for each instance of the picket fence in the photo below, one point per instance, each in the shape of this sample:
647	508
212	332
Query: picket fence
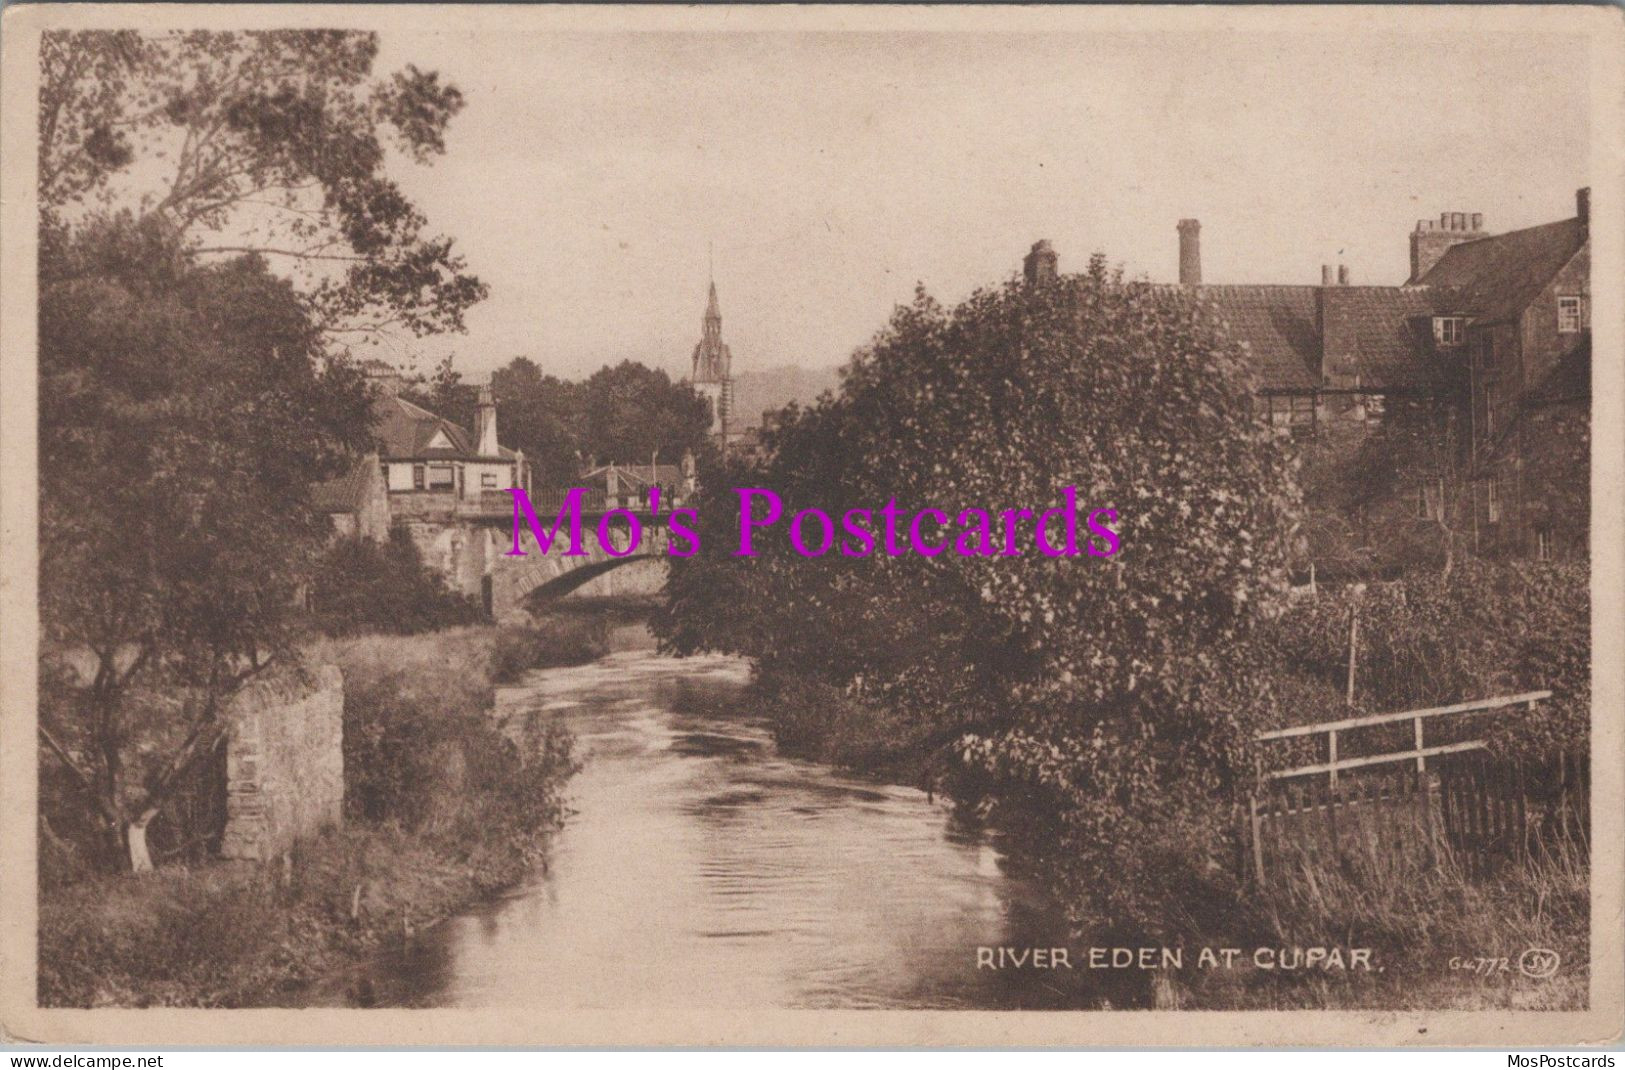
1411	805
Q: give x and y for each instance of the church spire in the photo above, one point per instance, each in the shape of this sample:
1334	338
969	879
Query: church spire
713	366
713	312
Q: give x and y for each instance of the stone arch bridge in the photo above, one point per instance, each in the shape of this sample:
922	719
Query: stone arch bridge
470	546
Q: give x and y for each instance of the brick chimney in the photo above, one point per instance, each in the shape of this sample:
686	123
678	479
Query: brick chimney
1582	206
1190	252
485	424
1430	239
385	378
1041	264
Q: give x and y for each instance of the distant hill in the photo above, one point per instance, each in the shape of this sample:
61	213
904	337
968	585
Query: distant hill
774	388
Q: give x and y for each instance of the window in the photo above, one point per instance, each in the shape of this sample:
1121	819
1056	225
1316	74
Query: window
1484	352
488	479
417	477
442	477
1492	500
1448	330
1570	314
1375	406
1543	545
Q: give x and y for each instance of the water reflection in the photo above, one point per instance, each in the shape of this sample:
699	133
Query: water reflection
701	868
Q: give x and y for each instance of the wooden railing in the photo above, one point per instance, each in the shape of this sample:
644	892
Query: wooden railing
1419	753
1479	806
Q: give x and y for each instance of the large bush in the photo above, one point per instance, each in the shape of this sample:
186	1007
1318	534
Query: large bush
1103	696
362	586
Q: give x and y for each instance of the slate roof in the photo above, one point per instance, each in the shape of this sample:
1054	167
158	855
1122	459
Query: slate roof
1278	324
1383	334
404	431
346	493
1297	334
1495	279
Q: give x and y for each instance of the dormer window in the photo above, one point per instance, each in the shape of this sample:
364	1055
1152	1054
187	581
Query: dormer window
1449	330
1570	314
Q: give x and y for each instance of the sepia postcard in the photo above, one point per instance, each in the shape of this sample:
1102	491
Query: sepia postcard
811	526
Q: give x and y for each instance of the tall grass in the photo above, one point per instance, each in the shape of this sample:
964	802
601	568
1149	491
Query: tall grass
1441	937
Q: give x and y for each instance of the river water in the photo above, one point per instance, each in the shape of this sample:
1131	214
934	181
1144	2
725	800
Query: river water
702	868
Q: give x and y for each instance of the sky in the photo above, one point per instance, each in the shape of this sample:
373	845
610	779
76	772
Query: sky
594	178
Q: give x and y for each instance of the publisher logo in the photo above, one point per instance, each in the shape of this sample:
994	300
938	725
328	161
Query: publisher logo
1539	963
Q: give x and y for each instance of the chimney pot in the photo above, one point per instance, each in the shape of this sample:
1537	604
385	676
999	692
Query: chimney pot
485	423
1325	274
1190	252
1342	275
1430	240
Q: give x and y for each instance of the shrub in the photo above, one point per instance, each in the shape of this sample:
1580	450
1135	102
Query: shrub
827	724
1486	628
361	586
548	643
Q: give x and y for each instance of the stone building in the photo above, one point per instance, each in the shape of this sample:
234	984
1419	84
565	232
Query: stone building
443	484
356	502
447	485
1493	329
1516	309
433	465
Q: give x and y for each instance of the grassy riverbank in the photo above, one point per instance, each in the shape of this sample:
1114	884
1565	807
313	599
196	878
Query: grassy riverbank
440	811
1439	938
1425	927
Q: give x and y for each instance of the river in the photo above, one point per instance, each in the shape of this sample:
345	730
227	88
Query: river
702	868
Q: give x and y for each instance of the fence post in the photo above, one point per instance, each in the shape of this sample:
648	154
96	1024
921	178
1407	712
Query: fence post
1354	638
1421	761
1331	821
1258	842
1331	754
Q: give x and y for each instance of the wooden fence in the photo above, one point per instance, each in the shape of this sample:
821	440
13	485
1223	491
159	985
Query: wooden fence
1409	805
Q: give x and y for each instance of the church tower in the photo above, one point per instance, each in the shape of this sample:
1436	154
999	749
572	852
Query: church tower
712	375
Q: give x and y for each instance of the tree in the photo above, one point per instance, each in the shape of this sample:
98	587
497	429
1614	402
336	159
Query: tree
540	414
631	411
184	415
1108	700
445	394
272	142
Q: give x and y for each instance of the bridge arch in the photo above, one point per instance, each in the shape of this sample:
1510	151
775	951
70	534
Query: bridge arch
516	582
